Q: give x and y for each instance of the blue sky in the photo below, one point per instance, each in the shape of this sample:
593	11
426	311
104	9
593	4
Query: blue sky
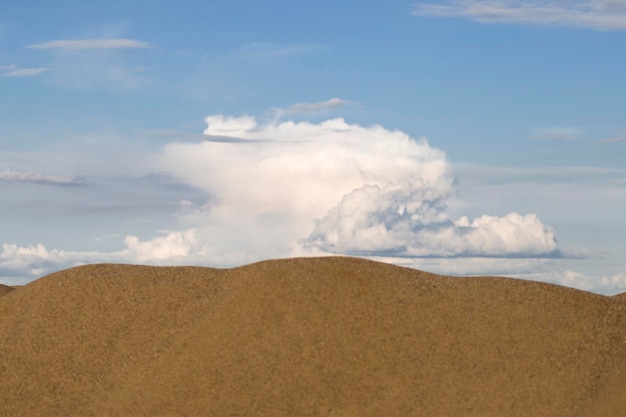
461	137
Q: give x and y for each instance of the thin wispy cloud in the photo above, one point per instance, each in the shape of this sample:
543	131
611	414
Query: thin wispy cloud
620	137
266	50
88	44
557	133
316	107
97	64
15	71
593	14
36	178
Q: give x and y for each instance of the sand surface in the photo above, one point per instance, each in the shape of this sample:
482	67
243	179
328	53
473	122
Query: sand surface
307	337
4	289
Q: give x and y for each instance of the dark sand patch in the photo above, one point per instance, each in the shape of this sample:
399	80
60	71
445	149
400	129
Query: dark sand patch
307	337
5	289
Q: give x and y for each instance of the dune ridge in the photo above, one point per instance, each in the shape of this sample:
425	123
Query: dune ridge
307	337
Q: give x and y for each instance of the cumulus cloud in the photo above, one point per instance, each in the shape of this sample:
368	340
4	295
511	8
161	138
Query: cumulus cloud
15	71
86	44
32	177
594	14
23	263
336	188
172	246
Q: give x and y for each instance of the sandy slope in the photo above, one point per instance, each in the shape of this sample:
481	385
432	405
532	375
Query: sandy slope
4	289
307	337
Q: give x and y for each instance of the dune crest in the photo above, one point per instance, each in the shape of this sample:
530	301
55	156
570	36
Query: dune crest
307	337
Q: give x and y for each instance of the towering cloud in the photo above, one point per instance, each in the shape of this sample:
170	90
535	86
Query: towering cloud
334	187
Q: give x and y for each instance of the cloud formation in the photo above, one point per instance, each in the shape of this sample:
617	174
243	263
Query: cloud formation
15	71
96	63
594	14
277	189
336	188
87	44
24	263
35	178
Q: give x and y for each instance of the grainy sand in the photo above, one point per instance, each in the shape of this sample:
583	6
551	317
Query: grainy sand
307	337
5	289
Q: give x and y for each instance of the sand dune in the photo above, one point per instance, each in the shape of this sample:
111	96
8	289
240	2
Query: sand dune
307	337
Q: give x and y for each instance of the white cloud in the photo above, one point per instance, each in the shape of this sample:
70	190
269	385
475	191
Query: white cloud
595	14
173	245
86	44
411	220
32	177
15	71
26	262
558	133
333	187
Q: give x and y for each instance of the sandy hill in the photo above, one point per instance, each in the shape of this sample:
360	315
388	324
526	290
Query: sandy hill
307	337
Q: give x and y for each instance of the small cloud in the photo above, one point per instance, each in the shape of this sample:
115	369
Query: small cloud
557	133
90	44
265	50
229	126
593	14
15	71
319	106
31	177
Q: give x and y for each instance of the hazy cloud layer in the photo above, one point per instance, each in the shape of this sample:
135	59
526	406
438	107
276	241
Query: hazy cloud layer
557	133
608	284
84	44
595	14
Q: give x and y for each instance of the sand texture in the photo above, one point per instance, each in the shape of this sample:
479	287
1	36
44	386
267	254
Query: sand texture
5	289
307	337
